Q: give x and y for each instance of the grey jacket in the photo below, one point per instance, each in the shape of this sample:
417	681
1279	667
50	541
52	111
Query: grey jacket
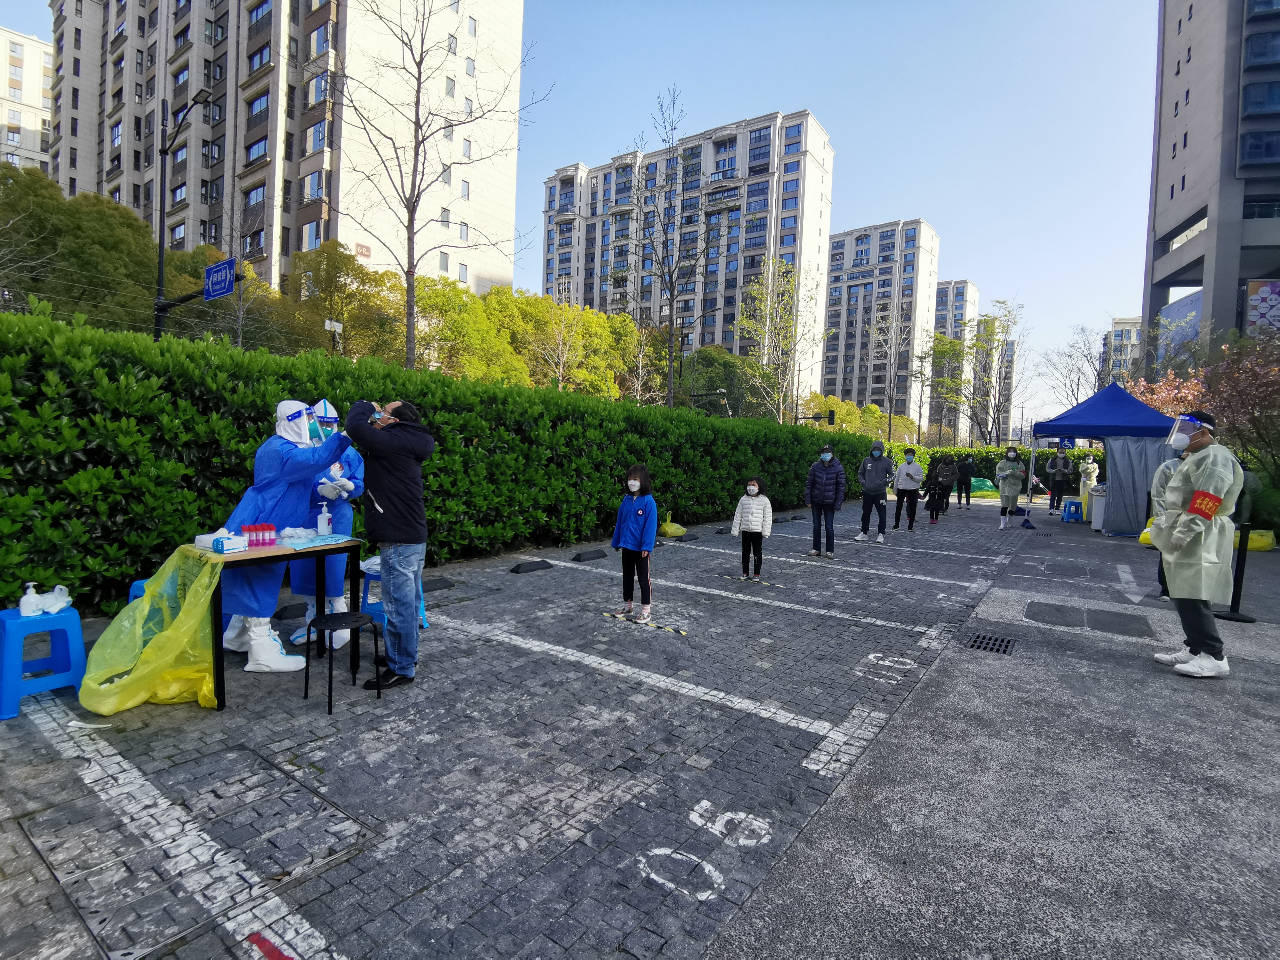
875	473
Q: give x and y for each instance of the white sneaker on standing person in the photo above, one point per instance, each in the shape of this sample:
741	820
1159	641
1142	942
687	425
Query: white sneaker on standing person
1194	536
1010	473
753	519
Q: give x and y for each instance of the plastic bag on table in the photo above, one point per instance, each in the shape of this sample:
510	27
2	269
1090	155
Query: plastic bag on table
669	529
160	647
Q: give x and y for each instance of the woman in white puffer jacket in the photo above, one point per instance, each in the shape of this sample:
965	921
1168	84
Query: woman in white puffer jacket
754	521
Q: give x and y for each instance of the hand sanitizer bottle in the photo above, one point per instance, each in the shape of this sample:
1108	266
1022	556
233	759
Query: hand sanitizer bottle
324	522
30	604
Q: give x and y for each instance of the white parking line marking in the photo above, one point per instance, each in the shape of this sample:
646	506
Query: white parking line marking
710	591
971	585
1128	586
105	771
840	746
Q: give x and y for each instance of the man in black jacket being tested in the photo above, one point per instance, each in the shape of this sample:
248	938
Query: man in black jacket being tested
394	444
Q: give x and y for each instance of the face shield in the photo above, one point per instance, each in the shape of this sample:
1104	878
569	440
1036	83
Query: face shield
294	421
327	421
1184	428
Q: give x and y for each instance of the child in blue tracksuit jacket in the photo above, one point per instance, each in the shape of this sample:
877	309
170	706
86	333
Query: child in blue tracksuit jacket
634	536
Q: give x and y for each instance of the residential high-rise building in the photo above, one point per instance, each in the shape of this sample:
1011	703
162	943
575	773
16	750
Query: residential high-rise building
882	287
955	307
1214	219
1121	350
745	192
277	161
26	100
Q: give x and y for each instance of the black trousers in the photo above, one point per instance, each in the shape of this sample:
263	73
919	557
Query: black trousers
911	498
1199	625
946	496
1057	487
827	512
875	500
635	566
1164	584
752	544
964	488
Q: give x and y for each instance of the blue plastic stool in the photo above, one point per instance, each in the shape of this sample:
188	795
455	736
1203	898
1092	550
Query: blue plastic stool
1072	511
374	607
138	588
65	660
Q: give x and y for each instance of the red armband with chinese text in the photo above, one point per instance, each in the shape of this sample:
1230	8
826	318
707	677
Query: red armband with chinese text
1204	504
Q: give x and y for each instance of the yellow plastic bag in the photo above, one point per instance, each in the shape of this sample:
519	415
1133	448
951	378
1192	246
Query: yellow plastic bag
1145	536
1259	540
160	647
669	529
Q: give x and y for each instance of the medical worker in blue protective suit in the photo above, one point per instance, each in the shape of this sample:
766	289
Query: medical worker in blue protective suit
284	472
339	483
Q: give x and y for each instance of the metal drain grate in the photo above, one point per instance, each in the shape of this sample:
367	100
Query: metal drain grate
991	644
1044	534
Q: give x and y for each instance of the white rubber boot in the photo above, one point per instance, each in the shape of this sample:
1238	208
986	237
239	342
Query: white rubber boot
1004	523
300	635
236	637
340	637
266	655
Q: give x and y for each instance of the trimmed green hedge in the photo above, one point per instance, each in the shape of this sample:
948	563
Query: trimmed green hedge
116	449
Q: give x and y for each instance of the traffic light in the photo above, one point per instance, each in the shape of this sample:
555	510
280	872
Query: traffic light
831	418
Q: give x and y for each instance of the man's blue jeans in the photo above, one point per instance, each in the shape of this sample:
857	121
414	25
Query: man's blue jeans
401	587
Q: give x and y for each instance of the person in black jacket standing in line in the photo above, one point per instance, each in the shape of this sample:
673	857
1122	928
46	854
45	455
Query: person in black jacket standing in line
824	492
394	444
964	484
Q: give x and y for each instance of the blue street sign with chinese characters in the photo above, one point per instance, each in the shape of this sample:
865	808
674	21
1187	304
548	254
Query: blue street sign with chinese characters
220	279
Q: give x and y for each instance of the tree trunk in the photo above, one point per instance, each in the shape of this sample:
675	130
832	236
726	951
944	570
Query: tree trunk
671	349
410	316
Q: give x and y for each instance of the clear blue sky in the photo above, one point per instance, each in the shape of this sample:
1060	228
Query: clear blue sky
1021	131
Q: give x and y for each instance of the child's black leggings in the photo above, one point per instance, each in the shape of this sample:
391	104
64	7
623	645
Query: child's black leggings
752	543
635	565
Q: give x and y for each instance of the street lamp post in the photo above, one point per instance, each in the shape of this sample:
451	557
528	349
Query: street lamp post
162	305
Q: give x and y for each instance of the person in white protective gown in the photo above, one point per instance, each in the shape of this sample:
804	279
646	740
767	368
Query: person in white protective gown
1194	536
1159	484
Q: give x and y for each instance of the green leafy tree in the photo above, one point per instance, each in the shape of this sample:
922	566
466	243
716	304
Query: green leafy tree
772	325
330	283
456	335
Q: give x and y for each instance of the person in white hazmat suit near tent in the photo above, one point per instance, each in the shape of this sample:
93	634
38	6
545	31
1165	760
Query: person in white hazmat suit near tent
1195	536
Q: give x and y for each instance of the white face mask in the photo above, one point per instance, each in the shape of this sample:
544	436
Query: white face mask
752	489
633	485
1179	442
1011	456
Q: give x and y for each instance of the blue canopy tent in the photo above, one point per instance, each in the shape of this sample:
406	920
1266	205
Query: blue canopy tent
1134	436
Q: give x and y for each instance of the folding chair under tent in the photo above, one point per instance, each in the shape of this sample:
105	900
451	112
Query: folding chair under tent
1133	435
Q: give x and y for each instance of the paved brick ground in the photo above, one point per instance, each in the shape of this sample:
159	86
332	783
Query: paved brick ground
557	782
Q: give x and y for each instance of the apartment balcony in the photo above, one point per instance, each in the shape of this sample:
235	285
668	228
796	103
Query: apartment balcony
181	12
261	161
256	120
113	172
178	206
255	253
260	26
117	104
180	244
57	83
118	41
59	20
720	176
179	51
324	10
178	168
566	213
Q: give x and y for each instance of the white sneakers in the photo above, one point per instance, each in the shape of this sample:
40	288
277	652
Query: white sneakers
1178	656
1203	666
236	637
266	655
879	538
815	553
861	537
1004	523
645	615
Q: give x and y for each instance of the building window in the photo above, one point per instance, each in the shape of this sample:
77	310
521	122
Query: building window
260	11
791	132
444	263
466	190
462	272
256	150
468	107
790	186
313	185
260	58
464	232
115	134
790	203
788	240
453	43
259	104
471	26
450	87
252	243
315	137
466	149
1261	98
471	67
792	147
1259	147
256	195
178	194
1262	49
177	233
311	235
319	40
